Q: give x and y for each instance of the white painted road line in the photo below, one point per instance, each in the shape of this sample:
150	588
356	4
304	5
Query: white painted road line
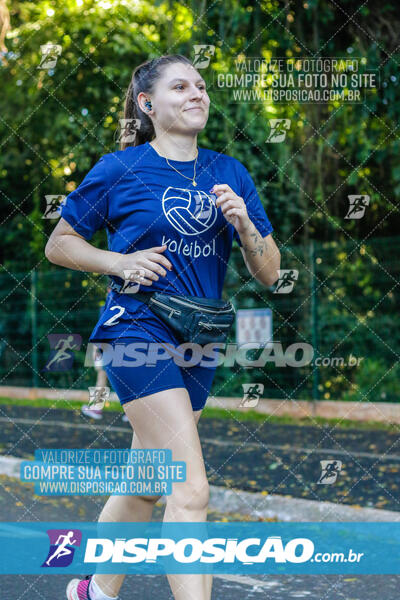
256	504
329	451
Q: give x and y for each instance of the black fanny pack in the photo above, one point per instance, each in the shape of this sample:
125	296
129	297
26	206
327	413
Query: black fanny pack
192	319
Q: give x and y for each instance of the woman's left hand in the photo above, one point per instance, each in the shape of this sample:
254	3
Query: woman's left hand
233	207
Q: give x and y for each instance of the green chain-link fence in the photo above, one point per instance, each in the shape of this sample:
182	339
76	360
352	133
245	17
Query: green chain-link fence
344	303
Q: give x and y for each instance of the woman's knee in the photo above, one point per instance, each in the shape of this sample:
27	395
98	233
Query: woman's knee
192	494
132	500
151	499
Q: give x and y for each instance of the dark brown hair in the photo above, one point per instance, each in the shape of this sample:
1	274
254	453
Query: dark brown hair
143	79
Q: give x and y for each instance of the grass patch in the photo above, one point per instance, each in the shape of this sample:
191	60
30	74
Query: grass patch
48	403
214	413
251	415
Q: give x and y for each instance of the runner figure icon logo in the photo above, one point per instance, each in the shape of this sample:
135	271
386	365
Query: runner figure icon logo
279	129
53	206
251	394
62	547
286	281
190	212
62	350
202	55
98	396
330	470
357	206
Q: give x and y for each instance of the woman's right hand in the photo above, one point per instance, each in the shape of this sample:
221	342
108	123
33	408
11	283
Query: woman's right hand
143	266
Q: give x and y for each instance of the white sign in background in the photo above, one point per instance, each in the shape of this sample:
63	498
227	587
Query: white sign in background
254	325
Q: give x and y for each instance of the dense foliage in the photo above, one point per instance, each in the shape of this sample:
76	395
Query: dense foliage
55	125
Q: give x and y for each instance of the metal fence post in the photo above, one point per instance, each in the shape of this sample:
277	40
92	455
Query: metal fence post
33	311
314	324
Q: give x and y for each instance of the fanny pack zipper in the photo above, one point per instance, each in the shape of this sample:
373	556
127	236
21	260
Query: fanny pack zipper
211	325
186	303
171	310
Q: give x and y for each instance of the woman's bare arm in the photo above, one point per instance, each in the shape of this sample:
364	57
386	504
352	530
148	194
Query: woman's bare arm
261	256
67	248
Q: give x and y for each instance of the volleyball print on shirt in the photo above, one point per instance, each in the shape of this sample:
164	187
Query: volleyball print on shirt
189	211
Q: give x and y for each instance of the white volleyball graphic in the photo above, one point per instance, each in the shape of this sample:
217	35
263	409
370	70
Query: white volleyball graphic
190	211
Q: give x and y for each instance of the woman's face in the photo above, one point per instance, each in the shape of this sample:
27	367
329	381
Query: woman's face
180	101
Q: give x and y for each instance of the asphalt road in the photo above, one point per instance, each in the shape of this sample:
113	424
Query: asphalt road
278	459
275	458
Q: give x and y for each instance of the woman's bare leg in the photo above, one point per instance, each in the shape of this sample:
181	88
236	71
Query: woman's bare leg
166	420
101	380
124	509
207	577
134	509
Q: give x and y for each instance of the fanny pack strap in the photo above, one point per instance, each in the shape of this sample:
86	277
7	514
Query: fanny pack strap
142	296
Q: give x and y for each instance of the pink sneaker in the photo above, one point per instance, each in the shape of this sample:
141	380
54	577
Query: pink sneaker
78	589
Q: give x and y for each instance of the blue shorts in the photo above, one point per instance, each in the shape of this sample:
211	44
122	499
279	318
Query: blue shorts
138	326
131	382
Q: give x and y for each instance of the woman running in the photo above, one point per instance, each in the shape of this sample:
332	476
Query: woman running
171	211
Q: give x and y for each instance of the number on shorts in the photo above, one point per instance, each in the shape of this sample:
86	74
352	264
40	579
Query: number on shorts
113	320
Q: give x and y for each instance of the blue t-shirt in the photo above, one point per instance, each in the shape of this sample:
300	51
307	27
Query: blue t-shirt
143	202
